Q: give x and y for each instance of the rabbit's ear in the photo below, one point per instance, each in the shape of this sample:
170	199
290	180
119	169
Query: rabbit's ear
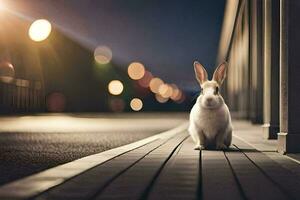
220	73
200	72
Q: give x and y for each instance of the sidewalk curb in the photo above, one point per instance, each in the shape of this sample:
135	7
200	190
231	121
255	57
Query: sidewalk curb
42	181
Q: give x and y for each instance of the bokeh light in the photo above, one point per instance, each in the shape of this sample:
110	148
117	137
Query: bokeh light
136	70
56	102
7	72
165	90
39	30
136	104
181	99
145	80
161	99
115	87
103	55
117	105
176	93
154	84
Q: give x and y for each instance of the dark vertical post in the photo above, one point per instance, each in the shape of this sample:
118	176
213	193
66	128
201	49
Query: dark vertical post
289	135
256	76
271	68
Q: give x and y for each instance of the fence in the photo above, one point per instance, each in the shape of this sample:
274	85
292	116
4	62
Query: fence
19	95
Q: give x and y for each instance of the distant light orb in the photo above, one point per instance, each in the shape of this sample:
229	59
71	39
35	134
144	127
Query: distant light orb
136	104
115	87
39	30
181	99
154	84
7	72
176	92
161	99
103	55
165	90
145	80
177	95
136	70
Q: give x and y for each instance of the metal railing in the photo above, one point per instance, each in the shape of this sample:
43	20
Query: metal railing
20	95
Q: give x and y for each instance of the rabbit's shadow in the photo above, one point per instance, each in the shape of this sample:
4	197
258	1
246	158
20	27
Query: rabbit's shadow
231	149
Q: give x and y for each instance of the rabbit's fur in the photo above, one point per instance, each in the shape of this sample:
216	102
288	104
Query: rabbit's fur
210	122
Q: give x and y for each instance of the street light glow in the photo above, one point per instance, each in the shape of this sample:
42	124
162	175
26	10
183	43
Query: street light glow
136	70
136	104
40	30
115	87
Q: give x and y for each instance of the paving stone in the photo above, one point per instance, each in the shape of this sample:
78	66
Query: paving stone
91	181
218	181
180	177
284	179
133	183
254	183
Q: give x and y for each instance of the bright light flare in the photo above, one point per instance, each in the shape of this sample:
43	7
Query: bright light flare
155	83
136	104
136	70
40	30
103	55
115	87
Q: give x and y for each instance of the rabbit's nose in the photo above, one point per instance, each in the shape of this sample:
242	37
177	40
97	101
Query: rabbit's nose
209	99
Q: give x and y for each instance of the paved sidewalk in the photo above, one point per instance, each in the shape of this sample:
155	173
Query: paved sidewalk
167	167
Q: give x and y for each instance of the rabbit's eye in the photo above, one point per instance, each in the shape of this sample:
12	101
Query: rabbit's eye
217	90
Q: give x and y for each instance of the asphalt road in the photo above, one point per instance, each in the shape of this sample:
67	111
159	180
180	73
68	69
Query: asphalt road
29	144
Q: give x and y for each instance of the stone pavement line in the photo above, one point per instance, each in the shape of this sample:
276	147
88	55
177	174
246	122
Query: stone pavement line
42	181
218	180
284	179
249	176
284	160
89	183
179	179
133	183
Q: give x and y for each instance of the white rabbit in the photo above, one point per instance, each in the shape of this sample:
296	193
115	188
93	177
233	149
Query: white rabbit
210	122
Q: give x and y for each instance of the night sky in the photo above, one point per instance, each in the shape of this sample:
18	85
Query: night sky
165	35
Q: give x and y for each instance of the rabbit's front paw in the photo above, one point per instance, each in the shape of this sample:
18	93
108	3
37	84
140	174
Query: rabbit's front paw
221	147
